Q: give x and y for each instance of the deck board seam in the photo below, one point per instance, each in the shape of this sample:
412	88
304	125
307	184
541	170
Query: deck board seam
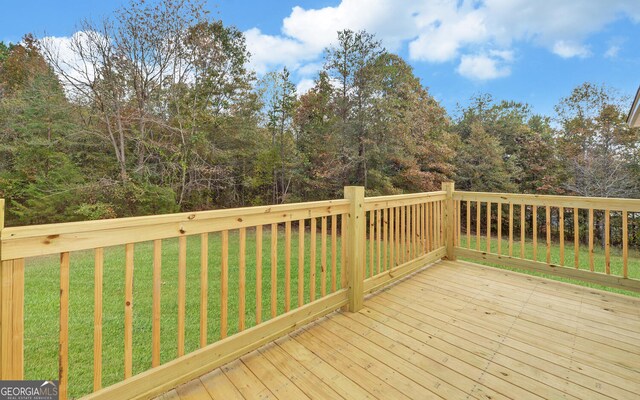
503	338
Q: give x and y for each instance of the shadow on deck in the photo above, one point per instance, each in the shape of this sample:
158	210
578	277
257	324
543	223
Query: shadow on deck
454	330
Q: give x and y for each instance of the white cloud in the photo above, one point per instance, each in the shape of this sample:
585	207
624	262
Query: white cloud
612	51
482	67
441	39
304	85
392	21
268	51
568	49
469	32
436	31
63	50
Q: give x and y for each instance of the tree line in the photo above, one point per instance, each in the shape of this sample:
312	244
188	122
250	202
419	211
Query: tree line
157	111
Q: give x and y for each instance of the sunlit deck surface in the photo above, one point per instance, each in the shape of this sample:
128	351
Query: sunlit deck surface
455	330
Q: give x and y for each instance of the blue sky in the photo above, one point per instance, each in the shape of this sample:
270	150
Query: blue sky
524	50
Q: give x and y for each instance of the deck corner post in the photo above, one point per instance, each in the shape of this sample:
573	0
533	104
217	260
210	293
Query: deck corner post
449	218
355	245
11	313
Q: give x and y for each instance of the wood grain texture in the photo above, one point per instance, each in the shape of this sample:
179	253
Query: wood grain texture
420	339
36	240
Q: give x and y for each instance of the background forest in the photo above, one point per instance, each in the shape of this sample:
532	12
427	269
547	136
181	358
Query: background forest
157	111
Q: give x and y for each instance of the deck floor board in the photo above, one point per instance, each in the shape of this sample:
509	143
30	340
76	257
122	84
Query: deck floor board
455	330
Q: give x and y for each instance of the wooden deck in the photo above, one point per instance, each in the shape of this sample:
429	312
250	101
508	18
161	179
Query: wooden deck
455	330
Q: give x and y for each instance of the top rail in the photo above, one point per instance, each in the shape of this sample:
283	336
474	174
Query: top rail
38	240
381	202
631	205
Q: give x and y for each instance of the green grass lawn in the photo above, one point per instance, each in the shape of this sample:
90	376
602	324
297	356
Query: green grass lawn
42	299
583	254
42	303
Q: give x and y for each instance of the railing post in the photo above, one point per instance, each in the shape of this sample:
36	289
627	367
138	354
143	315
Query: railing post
355	240
11	313
449	218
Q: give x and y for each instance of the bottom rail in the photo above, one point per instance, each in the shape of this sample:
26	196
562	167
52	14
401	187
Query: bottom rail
599	278
379	281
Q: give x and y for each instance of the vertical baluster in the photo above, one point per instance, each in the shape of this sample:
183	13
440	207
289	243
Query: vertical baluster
488	227
323	256
510	229
312	262
378	240
468	224
407	232
224	284
429	226
97	319
385	240
287	266
403	232
458	223
432	226
478	207
157	285
421	224
343	250
548	231
391	238
334	251
523	213
534	224
576	238
625	245
398	237
371	244
499	223
242	265
410	233
561	233
607	242
182	287
274	270
425	220
301	263
204	286
414	231
63	349
258	274
426	226
591	239
441	223
436	225
128	311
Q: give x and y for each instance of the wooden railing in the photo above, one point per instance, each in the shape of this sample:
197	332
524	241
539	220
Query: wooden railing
405	232
363	245
271	269
509	229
